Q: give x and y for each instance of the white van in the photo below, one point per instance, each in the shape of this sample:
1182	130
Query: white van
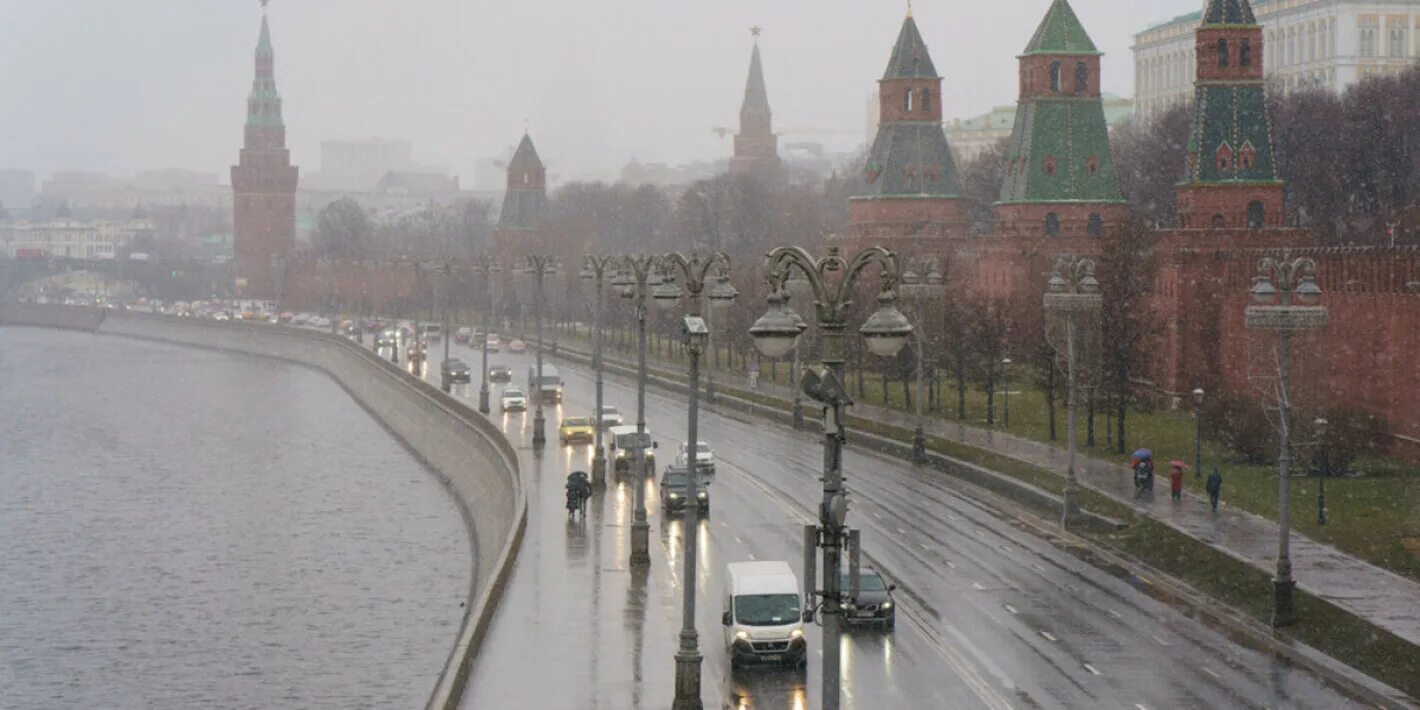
762	619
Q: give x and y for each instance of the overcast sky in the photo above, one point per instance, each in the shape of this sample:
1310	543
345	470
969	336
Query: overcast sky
126	85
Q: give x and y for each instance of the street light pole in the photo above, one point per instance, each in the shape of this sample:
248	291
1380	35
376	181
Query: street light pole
1323	469
775	334
487	265
595	270
1005	393
921	282
1198	432
1073	291
638	274
1276	311
444	308
539	265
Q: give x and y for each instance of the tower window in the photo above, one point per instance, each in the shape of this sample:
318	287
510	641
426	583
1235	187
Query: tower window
1052	224
907	101
1082	77
1256	215
1223	54
1092	165
1048	165
1055	77
1224	158
1096	226
926	100
1219	222
1247	157
1245	53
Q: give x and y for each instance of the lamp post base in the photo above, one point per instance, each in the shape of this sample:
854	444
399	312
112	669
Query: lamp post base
599	471
687	679
444	384
1284	610
640	543
483	400
710	391
1069	505
919	446
798	414
539	431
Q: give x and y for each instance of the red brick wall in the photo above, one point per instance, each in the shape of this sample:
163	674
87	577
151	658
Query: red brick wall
1028	220
1035	76
1198	204
892	100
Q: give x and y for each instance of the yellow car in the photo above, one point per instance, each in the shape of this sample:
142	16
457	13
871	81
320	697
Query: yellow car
576	429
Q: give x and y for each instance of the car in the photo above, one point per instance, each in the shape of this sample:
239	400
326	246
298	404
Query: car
704	458
874	605
675	485
493	342
387	338
456	371
433	332
609	417
463	335
575	429
621	457
416	351
500	373
517	346
513	400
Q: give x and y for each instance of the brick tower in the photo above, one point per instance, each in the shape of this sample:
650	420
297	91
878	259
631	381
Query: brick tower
1231	180
519	225
1060	177
914	191
264	185
756	146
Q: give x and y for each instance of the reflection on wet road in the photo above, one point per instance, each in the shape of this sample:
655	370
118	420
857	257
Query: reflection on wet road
990	615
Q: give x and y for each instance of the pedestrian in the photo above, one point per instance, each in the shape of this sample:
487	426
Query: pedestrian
1215	487
1176	480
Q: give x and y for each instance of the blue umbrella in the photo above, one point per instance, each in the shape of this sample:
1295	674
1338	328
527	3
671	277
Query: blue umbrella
1143	454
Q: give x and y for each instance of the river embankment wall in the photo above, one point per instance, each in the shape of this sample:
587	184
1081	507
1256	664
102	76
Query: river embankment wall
476	462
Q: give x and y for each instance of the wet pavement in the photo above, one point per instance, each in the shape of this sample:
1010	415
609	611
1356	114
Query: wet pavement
990	615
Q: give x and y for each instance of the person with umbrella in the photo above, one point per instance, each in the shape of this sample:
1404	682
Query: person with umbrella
1176	479
1143	464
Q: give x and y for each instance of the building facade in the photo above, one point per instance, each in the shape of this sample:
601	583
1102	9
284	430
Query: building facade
1307	44
70	239
520	223
264	186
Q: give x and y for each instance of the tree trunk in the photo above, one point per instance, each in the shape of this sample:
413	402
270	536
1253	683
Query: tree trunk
862	392
961	390
1090	419
990	401
907	394
1119	422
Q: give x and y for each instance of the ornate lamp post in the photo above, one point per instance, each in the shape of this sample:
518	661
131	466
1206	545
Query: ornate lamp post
1323	469
1286	295
922	282
448	271
694	271
885	333
1197	432
636	279
486	265
595	271
1005	393
539	266
1073	292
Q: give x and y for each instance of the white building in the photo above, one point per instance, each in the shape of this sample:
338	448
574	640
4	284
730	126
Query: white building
70	238
1328	44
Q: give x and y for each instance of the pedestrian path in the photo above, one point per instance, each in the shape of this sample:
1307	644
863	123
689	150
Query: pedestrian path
1386	599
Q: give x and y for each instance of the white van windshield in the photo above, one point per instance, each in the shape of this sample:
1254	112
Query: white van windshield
767	609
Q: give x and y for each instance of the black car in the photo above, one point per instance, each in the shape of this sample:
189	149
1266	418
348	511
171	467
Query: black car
874	605
456	371
675	484
500	373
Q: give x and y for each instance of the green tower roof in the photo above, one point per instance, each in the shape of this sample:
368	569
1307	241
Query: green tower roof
911	159
1229	12
523	206
910	59
1060	153
1231	141
1061	33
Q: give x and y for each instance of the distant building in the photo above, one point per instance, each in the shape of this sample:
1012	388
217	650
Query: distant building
1329	44
70	238
756	146
971	137
424	185
358	165
17	189
520	227
101	193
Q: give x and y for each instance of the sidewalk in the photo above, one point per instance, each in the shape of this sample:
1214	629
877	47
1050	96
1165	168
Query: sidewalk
1386	599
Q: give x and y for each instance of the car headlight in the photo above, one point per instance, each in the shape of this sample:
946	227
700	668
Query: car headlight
742	635
703	495
796	634
887	605
675	496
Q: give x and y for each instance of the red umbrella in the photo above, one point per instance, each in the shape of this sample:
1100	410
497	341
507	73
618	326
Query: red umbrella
1178	464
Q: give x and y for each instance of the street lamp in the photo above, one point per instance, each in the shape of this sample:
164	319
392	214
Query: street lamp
885	333
922	282
595	271
796	287
1006	393
694	271
443	304
1073	292
486	265
1323	469
636	278
539	266
1285	307
1197	432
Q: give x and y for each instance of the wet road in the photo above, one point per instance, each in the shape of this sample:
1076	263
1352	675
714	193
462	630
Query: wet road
182	528
990	615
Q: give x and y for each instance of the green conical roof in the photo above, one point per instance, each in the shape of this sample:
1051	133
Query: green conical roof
910	59
1061	33
1229	12
756	95
525	156
263	44
911	159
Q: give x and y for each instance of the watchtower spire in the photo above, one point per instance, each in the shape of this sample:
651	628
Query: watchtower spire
756	146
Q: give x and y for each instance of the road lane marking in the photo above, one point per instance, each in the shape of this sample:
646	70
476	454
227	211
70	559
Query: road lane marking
1091	669
1137	706
924	547
1011	609
950	565
877	515
1161	641
1115	614
1036	567
1048	636
978	586
750	555
1007	548
900	531
1210	671
738	541
979	533
952	518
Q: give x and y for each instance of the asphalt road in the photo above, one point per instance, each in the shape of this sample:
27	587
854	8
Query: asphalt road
990	615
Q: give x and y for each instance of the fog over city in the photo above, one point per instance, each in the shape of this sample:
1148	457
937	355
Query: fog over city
147	84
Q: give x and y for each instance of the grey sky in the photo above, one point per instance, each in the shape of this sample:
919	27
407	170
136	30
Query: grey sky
137	84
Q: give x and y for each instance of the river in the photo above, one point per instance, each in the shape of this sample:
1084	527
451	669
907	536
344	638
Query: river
190	528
